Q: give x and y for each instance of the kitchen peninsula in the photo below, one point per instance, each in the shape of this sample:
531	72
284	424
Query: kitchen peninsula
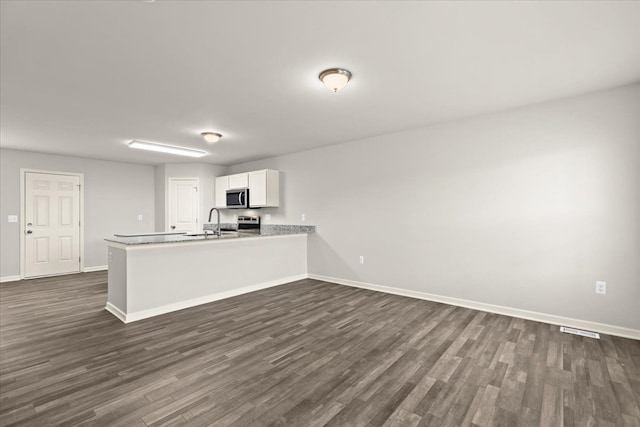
155	274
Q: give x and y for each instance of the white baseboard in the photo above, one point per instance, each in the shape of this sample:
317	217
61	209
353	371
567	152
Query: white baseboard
498	309
116	312
144	314
95	268
5	279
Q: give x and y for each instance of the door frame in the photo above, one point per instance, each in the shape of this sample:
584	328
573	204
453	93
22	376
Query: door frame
23	247
167	208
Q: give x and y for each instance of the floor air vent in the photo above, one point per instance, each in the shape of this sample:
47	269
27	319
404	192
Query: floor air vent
579	332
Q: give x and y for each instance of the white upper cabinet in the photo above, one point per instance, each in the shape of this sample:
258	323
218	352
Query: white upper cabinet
258	188
239	180
264	188
222	185
263	185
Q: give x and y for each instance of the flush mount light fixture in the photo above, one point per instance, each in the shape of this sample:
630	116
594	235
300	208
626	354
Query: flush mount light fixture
211	137
163	148
335	78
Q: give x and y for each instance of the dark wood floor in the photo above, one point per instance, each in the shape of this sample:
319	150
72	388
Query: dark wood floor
303	354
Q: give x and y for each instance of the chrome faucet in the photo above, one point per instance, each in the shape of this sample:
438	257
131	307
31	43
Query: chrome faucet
219	233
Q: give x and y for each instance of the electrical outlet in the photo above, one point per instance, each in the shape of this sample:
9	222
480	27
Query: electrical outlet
139	217
361	259
267	217
601	288
12	218
304	217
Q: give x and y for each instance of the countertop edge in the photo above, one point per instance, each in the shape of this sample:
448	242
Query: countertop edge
144	245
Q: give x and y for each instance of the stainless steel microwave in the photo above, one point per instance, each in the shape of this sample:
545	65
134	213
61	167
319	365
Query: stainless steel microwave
238	198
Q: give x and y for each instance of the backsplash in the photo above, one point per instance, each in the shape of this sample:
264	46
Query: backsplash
267	229
273	229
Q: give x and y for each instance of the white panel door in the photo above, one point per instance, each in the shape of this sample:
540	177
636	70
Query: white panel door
52	224
183	204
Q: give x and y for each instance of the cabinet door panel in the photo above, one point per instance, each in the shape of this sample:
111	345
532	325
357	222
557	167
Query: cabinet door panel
222	185
240	180
258	188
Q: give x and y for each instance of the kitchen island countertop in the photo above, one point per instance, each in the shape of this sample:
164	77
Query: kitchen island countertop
162	238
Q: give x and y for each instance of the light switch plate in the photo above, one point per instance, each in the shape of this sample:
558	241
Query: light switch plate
12	218
140	217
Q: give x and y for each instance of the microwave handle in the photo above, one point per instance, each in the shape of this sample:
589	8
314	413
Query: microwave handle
240	198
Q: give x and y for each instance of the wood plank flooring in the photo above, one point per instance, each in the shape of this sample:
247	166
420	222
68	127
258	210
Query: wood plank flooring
307	353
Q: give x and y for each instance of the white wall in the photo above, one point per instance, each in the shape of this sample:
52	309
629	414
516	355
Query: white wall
525	208
206	173
114	194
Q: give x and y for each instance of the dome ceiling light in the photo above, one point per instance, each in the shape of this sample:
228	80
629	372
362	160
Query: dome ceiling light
211	137
335	78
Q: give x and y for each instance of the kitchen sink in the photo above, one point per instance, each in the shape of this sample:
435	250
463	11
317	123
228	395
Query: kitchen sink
212	235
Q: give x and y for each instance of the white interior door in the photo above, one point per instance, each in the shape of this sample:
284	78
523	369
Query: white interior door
183	204
52	224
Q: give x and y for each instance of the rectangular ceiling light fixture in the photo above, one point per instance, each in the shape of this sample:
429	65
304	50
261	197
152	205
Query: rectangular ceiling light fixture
163	148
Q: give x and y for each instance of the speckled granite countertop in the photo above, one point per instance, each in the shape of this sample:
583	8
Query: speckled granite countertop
268	229
272	230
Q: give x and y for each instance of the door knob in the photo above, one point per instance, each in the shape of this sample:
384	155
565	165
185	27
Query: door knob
29	231
173	227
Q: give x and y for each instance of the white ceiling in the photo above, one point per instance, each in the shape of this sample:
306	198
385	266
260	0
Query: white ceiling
84	78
